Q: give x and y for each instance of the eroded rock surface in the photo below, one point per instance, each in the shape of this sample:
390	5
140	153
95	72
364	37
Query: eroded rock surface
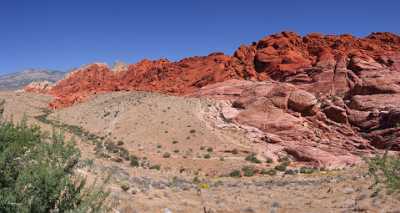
293	120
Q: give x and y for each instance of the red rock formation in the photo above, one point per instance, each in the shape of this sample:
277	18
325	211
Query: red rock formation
163	76
335	95
329	65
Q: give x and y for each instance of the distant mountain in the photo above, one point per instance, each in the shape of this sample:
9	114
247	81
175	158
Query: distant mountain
21	79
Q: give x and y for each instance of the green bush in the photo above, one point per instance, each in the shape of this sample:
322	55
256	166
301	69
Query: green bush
252	158
249	171
235	173
282	166
386	170
36	173
269	160
125	186
307	170
134	161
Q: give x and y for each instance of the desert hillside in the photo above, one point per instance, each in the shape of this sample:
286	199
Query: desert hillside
163	153
285	124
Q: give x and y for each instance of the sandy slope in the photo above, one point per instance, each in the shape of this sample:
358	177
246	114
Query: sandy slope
145	121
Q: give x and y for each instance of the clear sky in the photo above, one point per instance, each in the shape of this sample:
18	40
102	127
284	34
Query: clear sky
62	34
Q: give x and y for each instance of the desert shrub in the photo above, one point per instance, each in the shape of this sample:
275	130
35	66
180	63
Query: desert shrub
196	180
124	153
155	167
307	170
204	186
210	149
166	155
284	159
249	171
252	158
134	161
125	186
386	170
87	163
235	173
92	136
282	166
37	173
2	103
106	114
269	160
207	156
270	172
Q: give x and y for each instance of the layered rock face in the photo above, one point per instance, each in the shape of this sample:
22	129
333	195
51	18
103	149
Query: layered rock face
292	121
324	97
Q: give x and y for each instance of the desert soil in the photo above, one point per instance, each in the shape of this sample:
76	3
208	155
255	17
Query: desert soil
203	149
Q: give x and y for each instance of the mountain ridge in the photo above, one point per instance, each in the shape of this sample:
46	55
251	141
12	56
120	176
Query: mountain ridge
18	80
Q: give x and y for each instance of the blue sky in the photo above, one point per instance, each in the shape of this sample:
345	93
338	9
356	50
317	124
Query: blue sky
62	34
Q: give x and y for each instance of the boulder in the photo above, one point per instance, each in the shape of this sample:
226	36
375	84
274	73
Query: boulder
301	101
